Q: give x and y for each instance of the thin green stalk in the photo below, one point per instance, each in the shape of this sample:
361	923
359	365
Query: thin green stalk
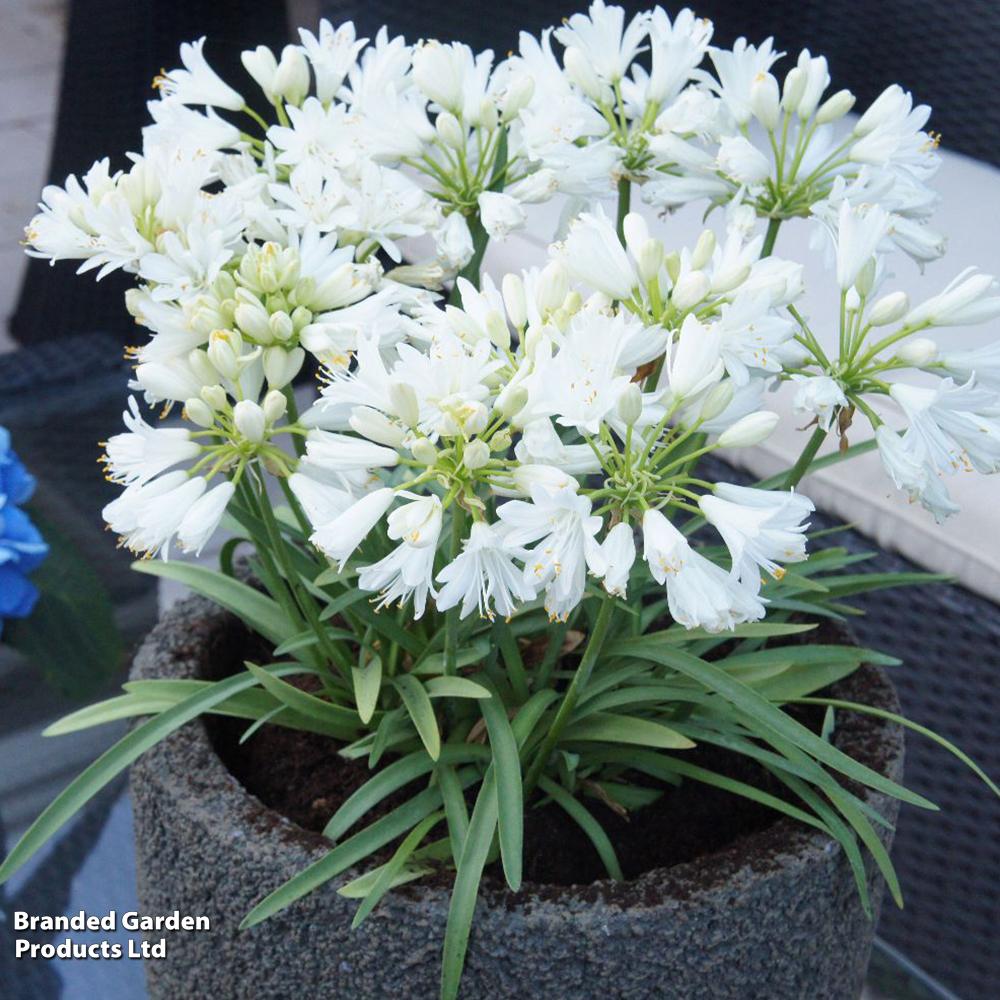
624	201
272	578
451	619
293	418
798	470
773	226
304	600
573	692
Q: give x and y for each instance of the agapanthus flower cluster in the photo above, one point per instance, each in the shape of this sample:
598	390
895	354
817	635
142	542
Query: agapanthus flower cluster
22	547
526	439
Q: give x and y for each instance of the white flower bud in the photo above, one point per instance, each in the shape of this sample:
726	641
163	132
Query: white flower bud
526	476
650	260
463	325
274	406
249	420
282	365
500	441
717	399
281	326
561	318
726	280
489	115
403	400
572	303
889	309
672	262
512	400
835	107
224	350
703	250
553	285
630	404
517	96
636	233
199	412
215	396
376	427
450	132
765	100
795	87
261	64
202	367
690	290
750	430
291	78
866	279
532	339
496	327
918	352
424	451
514	300
580	71
252	319
133	302
301	318
476	454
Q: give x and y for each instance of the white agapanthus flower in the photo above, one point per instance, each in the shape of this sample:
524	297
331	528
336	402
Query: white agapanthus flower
700	593
760	528
820	396
561	523
484	576
535	426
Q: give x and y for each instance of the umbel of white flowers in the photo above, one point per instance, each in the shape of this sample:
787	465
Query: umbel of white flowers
546	429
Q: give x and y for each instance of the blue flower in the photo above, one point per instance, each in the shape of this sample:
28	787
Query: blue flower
22	547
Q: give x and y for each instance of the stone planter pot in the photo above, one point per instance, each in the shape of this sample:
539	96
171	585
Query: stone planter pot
786	926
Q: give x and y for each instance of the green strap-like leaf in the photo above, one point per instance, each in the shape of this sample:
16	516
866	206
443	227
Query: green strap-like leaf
123	706
455	808
881	713
259	612
353	850
112	762
433	663
585	819
606	727
339	719
768	716
393	867
510	789
393	777
418	705
416	867
476	850
367	687
750	630
455	687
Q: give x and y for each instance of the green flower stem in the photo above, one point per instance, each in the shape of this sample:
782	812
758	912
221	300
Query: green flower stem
573	692
256	117
293	418
798	470
272	578
624	201
892	338
296	507
451	619
303	599
773	225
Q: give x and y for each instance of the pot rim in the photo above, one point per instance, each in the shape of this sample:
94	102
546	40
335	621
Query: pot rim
169	651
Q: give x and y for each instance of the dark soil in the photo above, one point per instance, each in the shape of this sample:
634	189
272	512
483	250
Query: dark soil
301	776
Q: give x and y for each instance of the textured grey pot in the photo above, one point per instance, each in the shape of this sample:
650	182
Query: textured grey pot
787	926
